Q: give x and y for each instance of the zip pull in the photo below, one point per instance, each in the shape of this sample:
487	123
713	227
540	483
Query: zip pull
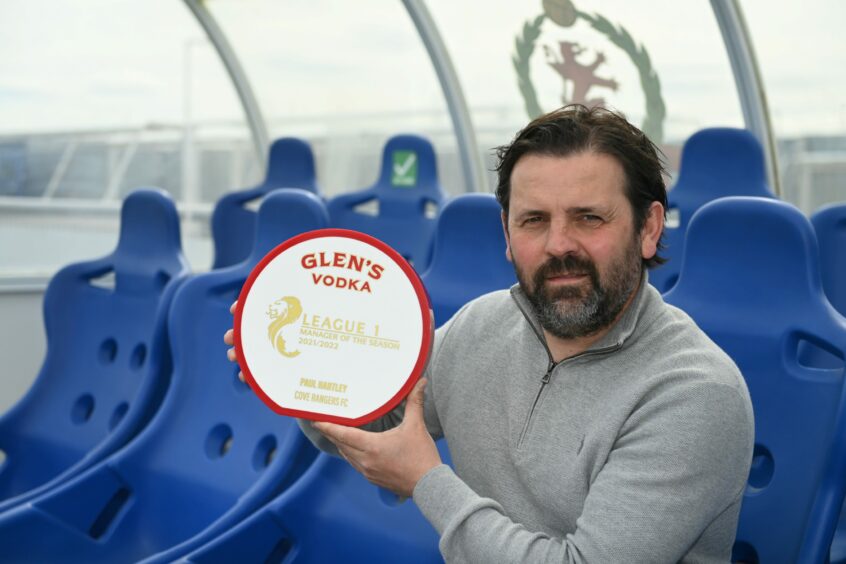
548	374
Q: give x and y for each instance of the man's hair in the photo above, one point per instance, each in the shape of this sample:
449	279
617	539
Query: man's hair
577	129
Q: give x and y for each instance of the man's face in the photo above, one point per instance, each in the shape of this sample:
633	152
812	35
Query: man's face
570	235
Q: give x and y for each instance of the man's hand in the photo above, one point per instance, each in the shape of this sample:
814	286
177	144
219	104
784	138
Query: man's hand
229	339
395	459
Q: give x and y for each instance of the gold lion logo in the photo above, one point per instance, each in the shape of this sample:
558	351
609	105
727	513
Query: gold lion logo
282	312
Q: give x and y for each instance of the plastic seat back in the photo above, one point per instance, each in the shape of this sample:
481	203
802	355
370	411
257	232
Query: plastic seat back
715	163
830	226
213	454
750	279
468	259
290	165
368	524
105	365
406	196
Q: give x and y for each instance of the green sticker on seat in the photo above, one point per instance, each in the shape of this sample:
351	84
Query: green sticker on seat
405	168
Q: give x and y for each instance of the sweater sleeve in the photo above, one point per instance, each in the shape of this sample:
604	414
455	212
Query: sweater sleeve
679	462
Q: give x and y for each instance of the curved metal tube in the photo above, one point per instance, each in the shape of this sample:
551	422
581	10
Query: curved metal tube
471	163
747	77
255	120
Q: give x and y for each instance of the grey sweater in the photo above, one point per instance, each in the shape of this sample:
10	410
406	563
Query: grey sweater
636	450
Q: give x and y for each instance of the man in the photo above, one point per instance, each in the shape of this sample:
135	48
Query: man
588	421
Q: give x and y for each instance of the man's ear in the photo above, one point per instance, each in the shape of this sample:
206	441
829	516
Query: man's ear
652	229
507	238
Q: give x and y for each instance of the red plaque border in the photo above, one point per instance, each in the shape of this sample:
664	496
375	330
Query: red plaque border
425	315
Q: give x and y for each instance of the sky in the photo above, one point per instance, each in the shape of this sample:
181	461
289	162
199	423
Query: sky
320	65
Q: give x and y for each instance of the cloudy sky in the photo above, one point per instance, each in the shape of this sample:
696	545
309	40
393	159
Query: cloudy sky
68	65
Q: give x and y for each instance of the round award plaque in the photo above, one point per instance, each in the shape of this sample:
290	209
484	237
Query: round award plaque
333	325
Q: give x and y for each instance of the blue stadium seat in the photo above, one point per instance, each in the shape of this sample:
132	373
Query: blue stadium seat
289	165
469	254
715	163
830	225
750	278
363	523
407	186
212	455
106	364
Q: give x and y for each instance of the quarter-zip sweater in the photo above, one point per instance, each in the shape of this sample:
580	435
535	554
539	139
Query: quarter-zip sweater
635	450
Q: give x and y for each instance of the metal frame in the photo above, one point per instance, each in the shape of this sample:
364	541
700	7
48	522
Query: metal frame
472	164
255	120
729	18
471	161
116	178
727	13
747	78
60	170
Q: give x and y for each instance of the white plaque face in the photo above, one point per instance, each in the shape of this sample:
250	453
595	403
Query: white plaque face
333	325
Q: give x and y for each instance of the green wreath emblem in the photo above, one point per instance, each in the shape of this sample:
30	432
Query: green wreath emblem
656	111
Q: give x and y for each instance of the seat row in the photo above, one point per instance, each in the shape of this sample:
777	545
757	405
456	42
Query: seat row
720	163
455	244
761	280
399	208
137	363
138	441
751	279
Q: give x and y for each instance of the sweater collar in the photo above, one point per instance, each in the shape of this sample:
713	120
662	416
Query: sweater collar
622	330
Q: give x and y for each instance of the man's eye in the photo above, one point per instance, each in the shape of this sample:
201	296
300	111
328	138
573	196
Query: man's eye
588	218
532	220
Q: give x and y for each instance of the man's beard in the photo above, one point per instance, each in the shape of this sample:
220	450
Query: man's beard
570	312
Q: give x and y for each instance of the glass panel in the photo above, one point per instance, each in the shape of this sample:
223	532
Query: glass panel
97	100
344	76
800	54
663	64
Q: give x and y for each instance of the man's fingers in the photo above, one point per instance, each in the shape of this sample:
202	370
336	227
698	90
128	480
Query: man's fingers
349	455
343	436
414	403
229	339
343	452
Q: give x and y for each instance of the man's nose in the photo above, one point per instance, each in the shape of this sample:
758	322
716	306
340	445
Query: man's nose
561	240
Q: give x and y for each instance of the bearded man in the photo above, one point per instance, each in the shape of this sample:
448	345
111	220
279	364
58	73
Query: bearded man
588	421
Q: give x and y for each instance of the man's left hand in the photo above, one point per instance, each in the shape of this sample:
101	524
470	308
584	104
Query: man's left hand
395	459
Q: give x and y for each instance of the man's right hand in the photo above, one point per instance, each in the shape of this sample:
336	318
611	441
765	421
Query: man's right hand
229	339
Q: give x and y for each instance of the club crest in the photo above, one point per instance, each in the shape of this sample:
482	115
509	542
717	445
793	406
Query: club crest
584	79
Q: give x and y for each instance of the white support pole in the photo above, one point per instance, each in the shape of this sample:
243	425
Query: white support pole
747	78
255	120
472	164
